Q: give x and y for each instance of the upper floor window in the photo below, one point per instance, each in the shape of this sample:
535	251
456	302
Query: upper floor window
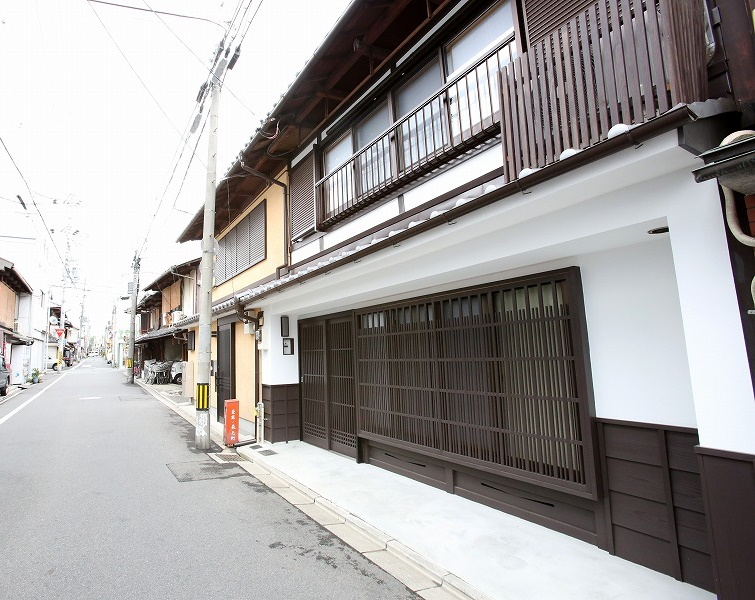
489	30
423	121
242	247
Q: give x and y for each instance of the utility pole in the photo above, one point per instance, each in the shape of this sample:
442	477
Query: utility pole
206	267
112	337
132	332
62	324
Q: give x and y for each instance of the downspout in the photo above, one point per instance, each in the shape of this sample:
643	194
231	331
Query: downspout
270	180
730	206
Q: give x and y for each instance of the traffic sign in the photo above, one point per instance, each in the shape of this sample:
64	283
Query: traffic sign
59	332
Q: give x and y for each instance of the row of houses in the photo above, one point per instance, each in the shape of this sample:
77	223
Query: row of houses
30	328
484	245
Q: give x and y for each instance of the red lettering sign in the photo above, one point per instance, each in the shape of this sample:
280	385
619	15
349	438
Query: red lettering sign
231	426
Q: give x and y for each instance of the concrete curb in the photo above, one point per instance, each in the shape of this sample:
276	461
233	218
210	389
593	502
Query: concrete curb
427	579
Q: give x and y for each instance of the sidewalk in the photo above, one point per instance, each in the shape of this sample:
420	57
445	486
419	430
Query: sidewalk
438	544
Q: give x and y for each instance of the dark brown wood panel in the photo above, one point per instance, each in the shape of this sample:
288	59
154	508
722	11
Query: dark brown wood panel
654	499
281	412
729	494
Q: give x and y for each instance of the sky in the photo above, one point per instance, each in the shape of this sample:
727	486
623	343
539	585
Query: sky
95	110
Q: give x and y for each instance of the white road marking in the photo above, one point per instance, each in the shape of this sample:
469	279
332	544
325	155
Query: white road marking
90	398
30	400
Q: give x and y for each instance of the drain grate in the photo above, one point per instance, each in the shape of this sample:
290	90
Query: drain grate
267	452
228	457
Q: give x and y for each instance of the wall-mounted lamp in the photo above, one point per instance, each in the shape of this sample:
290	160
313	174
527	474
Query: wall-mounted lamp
284	327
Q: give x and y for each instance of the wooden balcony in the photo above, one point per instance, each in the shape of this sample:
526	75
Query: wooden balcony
617	62
462	115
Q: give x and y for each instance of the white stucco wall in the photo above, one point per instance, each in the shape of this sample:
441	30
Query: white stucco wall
666	344
277	368
637	348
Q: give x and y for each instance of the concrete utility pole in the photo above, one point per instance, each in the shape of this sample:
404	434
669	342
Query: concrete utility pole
62	324
204	349
132	332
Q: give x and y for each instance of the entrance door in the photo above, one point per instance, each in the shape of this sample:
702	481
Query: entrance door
327	385
224	376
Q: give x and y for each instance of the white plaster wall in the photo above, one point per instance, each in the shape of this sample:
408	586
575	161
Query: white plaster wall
276	367
665	338
637	348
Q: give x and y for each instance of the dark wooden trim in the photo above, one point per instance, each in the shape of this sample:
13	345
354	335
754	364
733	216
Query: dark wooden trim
670	512
568	514
703	451
282	414
645	425
228	319
728	483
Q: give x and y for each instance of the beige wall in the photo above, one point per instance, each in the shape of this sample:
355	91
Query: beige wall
274	255
7	306
246	387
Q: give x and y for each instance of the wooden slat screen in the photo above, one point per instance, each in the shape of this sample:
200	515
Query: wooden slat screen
313	384
615	62
543	16
302	197
341	401
490	376
242	247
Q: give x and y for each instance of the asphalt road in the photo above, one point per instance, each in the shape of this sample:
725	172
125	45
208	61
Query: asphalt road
102	495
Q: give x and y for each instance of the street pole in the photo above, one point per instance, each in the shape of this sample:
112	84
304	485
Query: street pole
112	337
132	332
204	350
62	325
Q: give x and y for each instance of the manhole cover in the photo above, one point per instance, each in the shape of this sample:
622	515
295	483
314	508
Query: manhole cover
228	457
203	470
267	452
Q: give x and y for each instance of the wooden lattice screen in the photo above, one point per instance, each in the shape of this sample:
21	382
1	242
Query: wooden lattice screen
493	376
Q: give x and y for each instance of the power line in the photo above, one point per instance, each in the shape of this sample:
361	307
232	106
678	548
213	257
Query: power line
220	83
160	12
133	69
54	245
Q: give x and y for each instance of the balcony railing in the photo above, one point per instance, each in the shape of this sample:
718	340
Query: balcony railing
619	61
462	114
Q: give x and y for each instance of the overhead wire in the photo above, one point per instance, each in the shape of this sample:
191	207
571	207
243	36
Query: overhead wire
204	121
41	216
144	85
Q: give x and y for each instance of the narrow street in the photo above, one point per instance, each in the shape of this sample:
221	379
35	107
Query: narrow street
102	495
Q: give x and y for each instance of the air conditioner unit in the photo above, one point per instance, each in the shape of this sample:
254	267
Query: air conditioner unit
178	315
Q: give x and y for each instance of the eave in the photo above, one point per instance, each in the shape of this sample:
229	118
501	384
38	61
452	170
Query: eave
336	75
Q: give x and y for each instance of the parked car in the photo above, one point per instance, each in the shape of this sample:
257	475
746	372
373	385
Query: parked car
4	376
52	363
177	372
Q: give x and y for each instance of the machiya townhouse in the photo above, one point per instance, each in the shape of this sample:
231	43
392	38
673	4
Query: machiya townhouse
483	245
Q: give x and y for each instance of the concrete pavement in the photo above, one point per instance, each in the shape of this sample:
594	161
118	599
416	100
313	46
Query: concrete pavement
439	545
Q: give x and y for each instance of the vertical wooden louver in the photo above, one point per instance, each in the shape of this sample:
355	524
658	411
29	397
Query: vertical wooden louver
302	197
543	16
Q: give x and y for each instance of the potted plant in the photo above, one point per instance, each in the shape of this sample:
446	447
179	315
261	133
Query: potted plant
35	375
